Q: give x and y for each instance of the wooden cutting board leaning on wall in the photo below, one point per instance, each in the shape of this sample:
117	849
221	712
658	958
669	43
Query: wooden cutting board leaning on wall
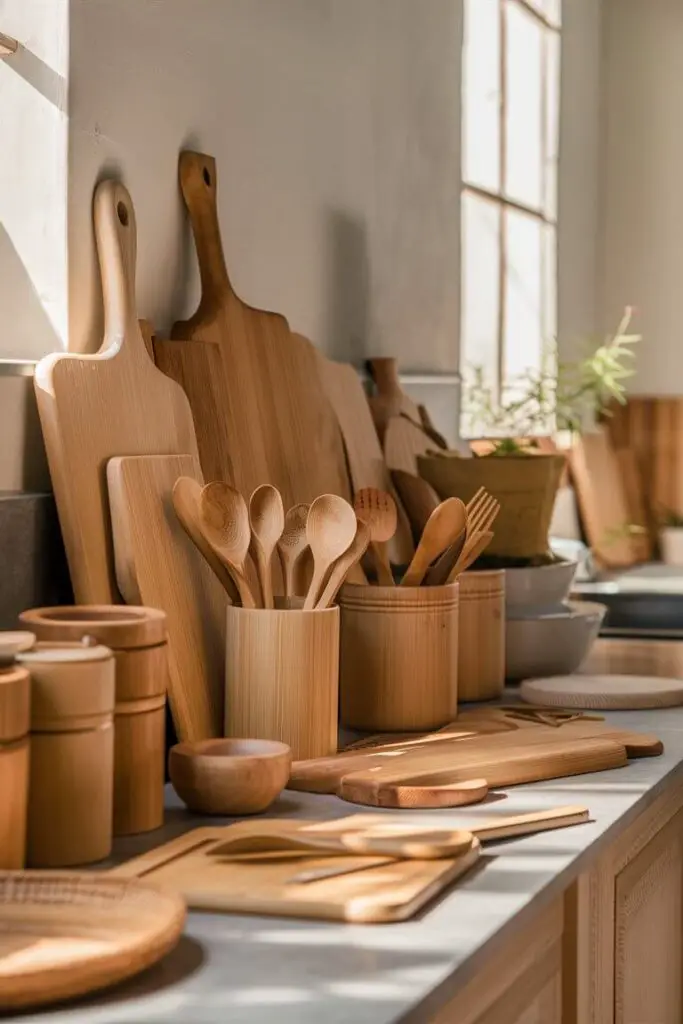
93	407
255	388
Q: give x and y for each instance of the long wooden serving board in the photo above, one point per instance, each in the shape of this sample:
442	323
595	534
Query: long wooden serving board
255	388
93	407
263	884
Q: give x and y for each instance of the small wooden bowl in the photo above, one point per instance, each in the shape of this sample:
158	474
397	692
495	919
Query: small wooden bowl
229	776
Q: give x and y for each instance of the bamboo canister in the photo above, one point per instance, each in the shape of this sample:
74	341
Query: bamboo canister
481	655
15	690
137	637
72	754
399	657
282	677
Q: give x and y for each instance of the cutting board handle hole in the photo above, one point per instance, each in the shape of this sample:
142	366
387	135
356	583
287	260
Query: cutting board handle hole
207	176
122	214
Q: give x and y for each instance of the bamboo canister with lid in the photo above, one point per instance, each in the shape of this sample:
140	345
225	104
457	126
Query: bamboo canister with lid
72	754
137	636
15	688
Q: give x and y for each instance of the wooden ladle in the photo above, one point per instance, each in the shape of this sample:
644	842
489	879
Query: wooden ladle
267	521
293	545
443	527
330	530
343	565
224	519
378	510
186	497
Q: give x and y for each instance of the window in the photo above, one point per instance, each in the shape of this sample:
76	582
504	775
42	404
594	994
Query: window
511	74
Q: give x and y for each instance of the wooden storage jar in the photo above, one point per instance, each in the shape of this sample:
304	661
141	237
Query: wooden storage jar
399	657
15	689
481	654
72	754
282	677
137	636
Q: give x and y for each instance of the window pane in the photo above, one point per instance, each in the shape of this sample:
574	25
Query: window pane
481	94
552	131
524	102
523	321
550	284
480	286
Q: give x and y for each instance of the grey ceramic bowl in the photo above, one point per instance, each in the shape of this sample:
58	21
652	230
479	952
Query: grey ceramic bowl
542	586
552	643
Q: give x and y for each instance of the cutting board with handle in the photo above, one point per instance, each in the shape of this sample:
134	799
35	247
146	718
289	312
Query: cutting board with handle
158	565
366	462
403	443
95	406
242	884
255	388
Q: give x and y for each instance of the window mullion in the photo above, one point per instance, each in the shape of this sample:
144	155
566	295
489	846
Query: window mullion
502	270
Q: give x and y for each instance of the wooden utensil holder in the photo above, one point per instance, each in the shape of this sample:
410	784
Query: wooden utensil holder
481	652
72	754
137	636
399	657
282	677
15	690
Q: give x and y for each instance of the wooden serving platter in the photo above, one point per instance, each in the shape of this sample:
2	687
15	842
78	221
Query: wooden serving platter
255	388
262	883
93	407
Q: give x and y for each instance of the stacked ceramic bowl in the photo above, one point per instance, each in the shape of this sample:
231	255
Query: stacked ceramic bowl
546	634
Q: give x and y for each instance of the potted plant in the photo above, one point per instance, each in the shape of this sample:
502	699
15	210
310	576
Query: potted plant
521	470
671	537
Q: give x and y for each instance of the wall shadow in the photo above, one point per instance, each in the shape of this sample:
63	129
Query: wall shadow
348	287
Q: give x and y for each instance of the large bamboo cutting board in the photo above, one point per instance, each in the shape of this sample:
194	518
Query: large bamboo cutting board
158	565
255	388
261	885
95	406
363	452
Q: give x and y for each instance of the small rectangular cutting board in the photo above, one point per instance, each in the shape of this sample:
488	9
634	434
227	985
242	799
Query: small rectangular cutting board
158	565
255	885
93	407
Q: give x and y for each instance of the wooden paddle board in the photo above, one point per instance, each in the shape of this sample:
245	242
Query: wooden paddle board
364	455
256	391
263	884
93	407
403	443
158	565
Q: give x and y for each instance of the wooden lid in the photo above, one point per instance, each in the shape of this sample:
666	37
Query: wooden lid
15	695
116	626
69	681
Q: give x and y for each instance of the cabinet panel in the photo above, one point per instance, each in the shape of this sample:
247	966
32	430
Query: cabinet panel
649	932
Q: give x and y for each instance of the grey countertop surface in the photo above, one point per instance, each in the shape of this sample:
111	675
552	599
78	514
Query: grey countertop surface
255	970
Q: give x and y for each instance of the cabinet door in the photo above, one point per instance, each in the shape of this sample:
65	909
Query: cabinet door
649	932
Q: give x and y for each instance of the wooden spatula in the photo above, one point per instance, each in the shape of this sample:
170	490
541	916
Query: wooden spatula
378	510
443	526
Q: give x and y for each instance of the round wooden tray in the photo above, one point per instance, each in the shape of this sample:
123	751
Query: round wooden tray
604	692
64	934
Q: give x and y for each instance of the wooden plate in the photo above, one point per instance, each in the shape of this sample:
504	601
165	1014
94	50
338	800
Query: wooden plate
64	934
615	692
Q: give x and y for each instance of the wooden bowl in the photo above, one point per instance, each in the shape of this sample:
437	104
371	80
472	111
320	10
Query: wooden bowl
229	776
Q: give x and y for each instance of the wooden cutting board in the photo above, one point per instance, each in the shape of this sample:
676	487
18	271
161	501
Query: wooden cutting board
158	565
614	692
255	389
602	500
95	406
361	443
403	442
260	885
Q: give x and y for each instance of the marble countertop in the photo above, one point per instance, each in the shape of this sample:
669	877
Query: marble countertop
253	970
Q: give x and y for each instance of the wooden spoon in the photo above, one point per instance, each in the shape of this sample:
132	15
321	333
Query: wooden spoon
470	553
224	520
293	545
186	496
267	521
378	510
330	529
406	845
343	565
479	508
443	526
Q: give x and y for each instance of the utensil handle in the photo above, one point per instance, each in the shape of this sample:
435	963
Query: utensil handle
199	187
385	577
116	235
397	794
525	824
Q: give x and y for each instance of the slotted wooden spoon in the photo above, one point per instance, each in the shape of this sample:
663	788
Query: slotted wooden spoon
378	510
224	519
292	546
